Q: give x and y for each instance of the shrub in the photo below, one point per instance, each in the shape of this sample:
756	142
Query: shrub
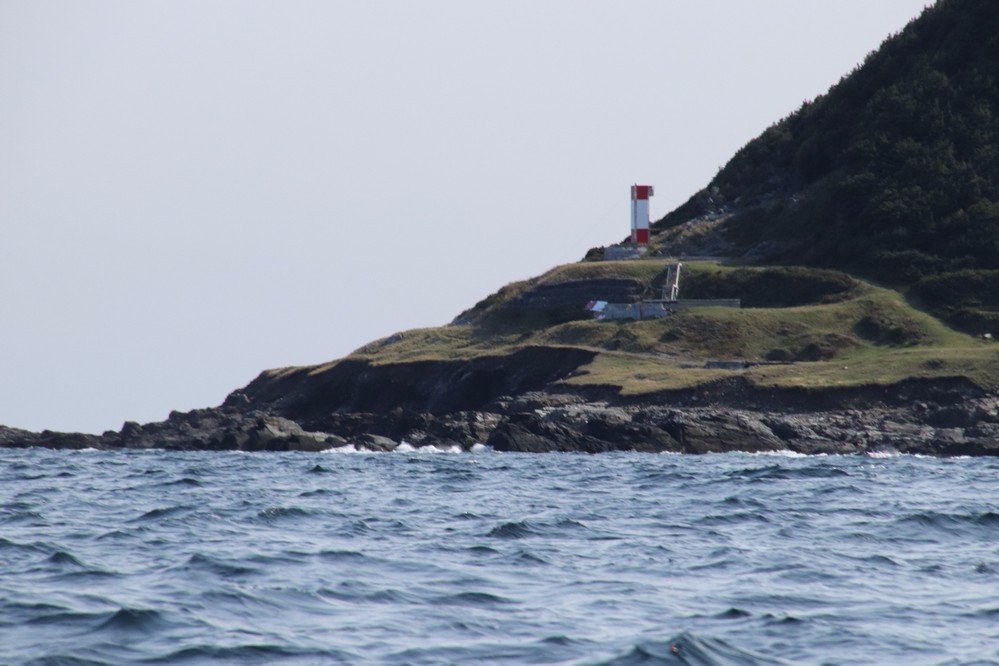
781	287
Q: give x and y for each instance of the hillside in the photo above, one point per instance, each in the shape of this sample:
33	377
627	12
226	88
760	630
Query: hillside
815	361
860	237
861	234
797	327
892	175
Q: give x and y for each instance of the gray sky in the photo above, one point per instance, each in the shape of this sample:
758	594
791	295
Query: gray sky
194	191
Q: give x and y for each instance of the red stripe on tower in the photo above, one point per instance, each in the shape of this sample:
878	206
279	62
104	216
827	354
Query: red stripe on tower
641	191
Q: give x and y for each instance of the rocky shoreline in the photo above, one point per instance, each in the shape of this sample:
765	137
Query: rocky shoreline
929	418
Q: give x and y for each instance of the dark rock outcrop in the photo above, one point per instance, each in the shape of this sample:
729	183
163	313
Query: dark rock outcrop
438	387
577	293
521	407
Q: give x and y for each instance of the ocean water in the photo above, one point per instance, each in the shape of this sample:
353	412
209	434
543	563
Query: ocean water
413	558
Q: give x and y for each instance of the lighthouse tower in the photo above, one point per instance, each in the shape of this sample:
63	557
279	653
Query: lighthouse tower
640	213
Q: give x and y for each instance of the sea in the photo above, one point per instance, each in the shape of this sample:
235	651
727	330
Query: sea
418	557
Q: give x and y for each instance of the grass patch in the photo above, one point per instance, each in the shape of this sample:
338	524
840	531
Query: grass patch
637	375
445	343
979	363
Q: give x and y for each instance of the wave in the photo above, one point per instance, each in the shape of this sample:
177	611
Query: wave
524	558
254	653
479	599
781	472
183	481
63	558
884	560
349	448
375	525
745	502
67	660
781	453
201	562
512	530
134	533
318	492
34	547
68	617
137	620
771	619
951	522
162	512
361	593
69	567
692	650
278	514
734	518
402	447
15	515
276	560
341	556
524	528
406	447
988	613
481	550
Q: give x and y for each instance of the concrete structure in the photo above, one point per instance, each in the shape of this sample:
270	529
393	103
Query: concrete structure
640	310
657	309
623	252
640	213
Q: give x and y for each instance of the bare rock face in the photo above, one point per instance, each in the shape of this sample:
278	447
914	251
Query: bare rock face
375	443
318	399
712	431
590	433
16	438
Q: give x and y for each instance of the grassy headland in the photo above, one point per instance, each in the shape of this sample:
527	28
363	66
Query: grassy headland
810	328
892	175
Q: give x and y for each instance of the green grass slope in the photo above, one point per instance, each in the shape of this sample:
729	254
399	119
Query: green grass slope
801	328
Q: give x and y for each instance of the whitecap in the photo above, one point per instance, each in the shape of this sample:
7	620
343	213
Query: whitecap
406	447
350	448
785	453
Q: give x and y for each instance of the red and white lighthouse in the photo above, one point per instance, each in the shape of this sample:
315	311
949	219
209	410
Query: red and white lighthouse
640	213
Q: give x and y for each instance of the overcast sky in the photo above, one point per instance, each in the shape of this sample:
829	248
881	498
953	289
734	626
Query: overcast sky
194	191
